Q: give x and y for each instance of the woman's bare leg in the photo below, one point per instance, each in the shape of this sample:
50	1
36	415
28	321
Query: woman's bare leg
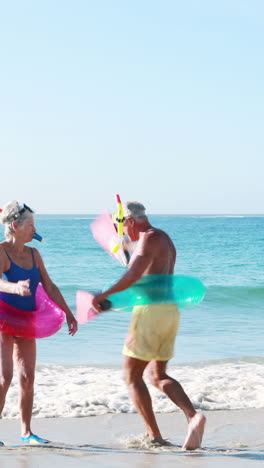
6	366
25	359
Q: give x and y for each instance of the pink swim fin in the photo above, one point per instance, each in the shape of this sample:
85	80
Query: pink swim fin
105	234
85	311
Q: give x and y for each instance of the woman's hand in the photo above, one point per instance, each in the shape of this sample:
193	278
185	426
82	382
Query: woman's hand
72	324
22	288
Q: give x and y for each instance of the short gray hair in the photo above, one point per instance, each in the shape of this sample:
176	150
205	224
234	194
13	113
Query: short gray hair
14	211
134	209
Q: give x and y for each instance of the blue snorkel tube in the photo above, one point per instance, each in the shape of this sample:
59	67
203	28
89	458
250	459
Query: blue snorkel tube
37	237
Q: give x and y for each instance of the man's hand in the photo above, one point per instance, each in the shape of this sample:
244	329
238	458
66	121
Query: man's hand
98	298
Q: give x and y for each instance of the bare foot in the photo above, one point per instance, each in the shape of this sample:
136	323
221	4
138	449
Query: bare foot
160	442
195	432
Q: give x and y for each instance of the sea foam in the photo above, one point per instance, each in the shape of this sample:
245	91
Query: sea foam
62	391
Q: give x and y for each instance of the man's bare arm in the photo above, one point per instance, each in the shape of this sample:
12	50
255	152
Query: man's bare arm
131	276
139	265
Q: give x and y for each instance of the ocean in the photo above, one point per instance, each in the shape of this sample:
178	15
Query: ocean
219	348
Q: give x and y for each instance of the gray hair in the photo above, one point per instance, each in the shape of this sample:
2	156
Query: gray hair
14	211
134	209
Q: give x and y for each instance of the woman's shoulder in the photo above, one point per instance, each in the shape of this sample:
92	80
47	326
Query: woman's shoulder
37	256
4	259
3	246
34	251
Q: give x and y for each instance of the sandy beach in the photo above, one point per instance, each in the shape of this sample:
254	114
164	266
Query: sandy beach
233	438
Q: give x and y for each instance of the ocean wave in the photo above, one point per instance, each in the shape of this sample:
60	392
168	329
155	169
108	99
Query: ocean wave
221	216
65	391
251	295
85	217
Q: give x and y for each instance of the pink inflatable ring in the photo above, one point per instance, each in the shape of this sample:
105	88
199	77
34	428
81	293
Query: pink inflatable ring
45	321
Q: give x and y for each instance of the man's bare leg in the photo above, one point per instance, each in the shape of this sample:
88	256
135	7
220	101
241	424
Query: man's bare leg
25	357
196	421
133	375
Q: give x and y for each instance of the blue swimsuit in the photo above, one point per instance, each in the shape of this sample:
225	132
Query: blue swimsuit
15	274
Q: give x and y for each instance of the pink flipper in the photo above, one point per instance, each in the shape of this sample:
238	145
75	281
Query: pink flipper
105	234
85	312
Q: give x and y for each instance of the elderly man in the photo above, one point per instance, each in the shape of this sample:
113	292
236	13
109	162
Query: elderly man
153	328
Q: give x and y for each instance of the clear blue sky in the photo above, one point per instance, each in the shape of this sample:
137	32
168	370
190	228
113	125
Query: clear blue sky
160	101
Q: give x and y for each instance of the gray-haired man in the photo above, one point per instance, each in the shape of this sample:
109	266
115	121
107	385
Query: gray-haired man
153	328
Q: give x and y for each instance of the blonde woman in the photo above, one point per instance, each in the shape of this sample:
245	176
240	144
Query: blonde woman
21	270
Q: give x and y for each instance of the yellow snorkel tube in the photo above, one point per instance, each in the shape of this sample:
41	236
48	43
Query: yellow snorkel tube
119	219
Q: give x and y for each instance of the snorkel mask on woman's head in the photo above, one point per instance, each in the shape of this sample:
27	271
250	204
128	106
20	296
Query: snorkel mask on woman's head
22	210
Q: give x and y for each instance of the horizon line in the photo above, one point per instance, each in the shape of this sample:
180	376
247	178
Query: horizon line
156	214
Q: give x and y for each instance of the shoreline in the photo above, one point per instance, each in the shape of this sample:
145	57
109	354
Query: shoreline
233	437
254	359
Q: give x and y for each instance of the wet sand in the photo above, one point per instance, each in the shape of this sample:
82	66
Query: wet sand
232	438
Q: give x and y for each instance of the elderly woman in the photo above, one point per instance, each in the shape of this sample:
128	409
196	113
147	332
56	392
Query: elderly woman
21	269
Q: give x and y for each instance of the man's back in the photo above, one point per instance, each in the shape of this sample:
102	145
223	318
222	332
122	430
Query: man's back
157	246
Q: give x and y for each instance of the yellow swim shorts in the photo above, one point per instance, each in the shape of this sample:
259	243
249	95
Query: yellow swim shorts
152	332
